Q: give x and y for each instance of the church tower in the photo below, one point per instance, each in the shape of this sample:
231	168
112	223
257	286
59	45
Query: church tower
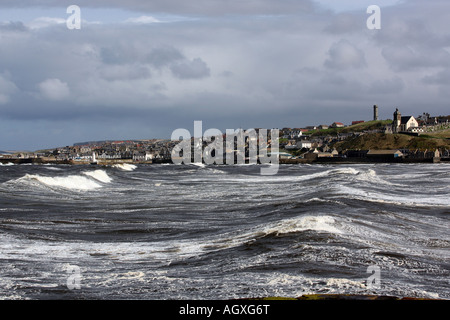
375	113
397	121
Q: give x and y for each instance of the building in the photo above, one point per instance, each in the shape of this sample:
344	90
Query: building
401	124
337	125
391	154
356	122
396	121
408	123
375	113
281	155
304	144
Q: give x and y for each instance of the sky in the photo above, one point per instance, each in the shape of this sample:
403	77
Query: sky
141	69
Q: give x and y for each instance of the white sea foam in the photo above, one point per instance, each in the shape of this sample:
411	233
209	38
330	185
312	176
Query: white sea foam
99	175
199	164
414	200
72	182
293	178
52	168
68	182
316	223
125	166
6	164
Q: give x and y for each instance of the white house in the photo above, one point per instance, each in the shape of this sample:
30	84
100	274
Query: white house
408	122
304	144
337	125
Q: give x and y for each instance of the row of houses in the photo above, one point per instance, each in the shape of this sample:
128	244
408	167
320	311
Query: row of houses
140	150
423	123
292	133
306	142
378	155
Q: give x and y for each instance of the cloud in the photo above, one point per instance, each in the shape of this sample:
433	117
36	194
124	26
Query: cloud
197	7
344	55
387	86
164	56
440	78
54	89
7	89
124	72
12	26
195	69
44	22
232	63
142	20
411	57
344	23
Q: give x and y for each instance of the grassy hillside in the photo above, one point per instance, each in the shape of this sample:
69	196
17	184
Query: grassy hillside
444	134
365	126
380	141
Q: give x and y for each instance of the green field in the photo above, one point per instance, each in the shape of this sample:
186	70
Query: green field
365	126
382	141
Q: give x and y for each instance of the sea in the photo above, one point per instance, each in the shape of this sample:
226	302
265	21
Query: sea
201	232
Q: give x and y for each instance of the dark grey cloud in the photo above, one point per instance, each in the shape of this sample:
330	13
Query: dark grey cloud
194	69
12	26
197	7
344	23
439	78
387	86
164	56
235	63
114	55
7	88
407	58
344	55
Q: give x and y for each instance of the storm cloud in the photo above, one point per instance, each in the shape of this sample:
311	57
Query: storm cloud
142	69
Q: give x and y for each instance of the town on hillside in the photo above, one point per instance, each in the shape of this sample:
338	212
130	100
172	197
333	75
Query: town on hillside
405	138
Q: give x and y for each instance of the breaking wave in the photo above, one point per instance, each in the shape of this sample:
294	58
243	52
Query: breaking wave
324	223
71	182
99	175
378	197
314	223
125	166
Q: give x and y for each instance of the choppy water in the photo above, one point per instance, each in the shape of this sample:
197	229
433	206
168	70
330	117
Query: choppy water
222	232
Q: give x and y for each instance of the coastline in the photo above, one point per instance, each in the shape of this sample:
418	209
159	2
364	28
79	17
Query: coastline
331	160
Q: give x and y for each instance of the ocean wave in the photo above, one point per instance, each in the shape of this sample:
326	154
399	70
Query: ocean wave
198	164
68	182
323	223
378	197
6	164
197	247
315	223
71	182
125	166
331	174
52	168
99	175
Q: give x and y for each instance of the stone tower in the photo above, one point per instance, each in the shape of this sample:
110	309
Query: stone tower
375	113
397	121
